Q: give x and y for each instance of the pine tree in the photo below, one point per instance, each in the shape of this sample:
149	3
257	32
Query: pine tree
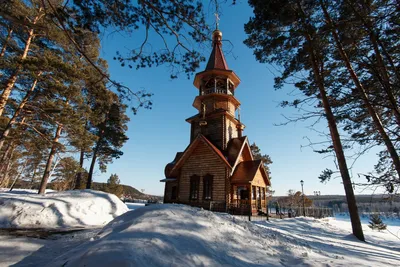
266	159
111	137
375	222
65	173
113	186
53	78
290	33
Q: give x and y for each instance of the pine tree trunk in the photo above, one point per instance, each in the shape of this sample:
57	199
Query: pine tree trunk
375	118
13	78
7	129
5	178
92	164
382	70
390	60
3	49
369	27
335	136
78	180
386	80
18	176
33	176
53	150
5	155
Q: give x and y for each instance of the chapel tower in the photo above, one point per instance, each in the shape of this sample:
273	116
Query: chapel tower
217	170
216	102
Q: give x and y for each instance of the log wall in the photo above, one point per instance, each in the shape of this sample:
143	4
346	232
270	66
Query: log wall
203	161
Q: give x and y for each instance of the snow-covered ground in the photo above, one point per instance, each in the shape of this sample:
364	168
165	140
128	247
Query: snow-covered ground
34	252
68	209
178	235
390	221
134	206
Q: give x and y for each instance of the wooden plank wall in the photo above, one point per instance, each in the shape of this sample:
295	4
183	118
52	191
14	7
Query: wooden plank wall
203	161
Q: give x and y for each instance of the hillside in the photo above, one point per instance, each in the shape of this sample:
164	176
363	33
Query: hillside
130	193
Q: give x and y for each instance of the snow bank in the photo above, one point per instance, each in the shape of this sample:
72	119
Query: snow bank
133	206
172	235
178	235
78	208
23	191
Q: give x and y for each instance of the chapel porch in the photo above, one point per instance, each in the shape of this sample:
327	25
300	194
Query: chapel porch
248	199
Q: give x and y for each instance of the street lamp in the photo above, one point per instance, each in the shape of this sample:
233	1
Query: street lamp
302	191
317	194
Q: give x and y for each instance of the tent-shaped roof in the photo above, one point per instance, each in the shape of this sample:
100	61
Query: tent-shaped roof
217	58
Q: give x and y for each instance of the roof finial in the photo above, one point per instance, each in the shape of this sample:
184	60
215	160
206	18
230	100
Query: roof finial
216	19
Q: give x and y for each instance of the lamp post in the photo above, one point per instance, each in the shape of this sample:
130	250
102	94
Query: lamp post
317	194
302	191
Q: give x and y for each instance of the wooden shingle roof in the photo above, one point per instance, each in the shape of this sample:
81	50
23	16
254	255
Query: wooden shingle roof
217	58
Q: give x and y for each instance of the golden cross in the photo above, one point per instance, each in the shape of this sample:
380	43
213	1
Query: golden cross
216	20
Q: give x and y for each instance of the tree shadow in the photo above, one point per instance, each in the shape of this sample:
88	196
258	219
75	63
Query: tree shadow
330	242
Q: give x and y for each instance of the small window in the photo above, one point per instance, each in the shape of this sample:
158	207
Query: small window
207	187
194	187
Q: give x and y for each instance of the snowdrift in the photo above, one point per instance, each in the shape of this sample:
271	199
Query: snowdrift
68	209
178	235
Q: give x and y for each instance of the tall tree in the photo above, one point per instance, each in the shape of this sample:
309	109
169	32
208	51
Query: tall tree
113	186
111	136
64	174
361	89
287	33
266	159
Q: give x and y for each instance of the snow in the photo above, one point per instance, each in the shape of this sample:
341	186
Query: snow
25	251
365	218
68	209
134	206
178	235
23	191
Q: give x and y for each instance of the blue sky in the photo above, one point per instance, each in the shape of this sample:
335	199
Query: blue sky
157	134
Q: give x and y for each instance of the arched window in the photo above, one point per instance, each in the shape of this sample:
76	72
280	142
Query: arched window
194	187
207	187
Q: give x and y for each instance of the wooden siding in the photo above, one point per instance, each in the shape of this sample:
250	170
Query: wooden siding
168	191
230	131
213	131
258	180
246	153
203	161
